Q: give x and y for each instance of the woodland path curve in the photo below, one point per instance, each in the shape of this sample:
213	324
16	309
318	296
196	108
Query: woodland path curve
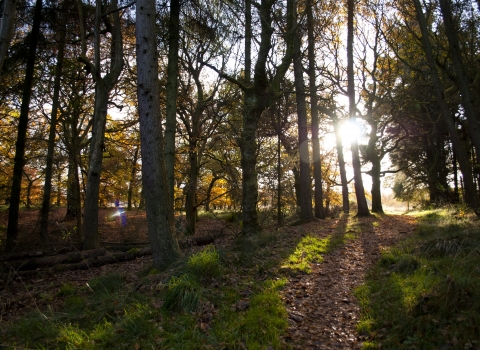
323	311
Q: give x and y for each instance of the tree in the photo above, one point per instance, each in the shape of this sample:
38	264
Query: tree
172	92
103	85
460	76
260	92
160	221
317	163
471	196
305	194
53	125
12	228
357	171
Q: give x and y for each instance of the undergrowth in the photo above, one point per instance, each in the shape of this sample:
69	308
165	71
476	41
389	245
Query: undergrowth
217	298
424	293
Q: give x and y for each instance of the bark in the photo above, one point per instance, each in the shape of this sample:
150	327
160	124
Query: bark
317	162
172	92
357	167
159	209
341	165
470	193
194	154
47	187
28	202
19	162
279	176
133	174
103	86
209	191
375	160
6	28
306	214
460	76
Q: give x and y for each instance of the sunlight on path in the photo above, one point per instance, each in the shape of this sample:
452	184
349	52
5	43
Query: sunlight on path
323	311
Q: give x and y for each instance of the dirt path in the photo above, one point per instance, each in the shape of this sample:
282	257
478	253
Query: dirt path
323	311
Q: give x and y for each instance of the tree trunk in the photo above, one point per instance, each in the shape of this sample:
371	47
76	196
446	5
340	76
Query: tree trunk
341	165
470	193
159	209
131	183
306	214
90	225
357	167
47	187
6	29
249	155
28	202
376	186
375	160
103	86
209	191
72	185
191	195
317	162
172	86
279	176
19	162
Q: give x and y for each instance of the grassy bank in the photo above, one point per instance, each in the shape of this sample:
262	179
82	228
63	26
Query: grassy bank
425	292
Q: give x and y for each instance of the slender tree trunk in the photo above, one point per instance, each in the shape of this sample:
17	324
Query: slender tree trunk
306	214
28	202
341	165
191	195
172	87
19	162
279	176
209	191
59	186
317	162
47	187
357	167
470	193
456	194
131	183
160	220
6	29
375	160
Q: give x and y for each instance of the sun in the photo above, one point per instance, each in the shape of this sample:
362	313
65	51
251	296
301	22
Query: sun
349	131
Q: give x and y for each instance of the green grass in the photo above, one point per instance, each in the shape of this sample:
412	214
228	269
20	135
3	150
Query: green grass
311	250
214	299
425	292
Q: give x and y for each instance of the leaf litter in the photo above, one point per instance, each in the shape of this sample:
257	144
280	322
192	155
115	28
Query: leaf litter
322	309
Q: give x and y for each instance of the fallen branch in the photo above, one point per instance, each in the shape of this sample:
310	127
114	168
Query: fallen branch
82	260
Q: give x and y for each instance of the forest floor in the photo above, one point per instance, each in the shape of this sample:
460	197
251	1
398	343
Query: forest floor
318	290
